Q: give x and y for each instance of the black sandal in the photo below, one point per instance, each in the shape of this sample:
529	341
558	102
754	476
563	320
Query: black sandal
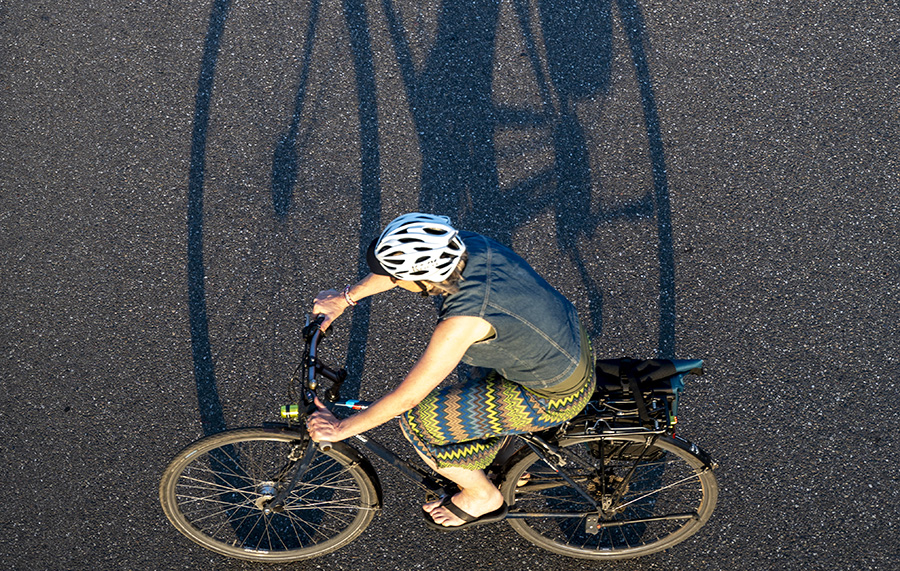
498	514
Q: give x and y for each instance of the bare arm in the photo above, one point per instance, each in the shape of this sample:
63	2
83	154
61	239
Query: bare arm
331	303
448	343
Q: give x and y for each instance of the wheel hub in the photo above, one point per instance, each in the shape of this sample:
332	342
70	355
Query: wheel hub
266	491
606	489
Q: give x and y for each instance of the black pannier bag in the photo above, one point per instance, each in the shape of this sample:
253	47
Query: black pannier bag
641	381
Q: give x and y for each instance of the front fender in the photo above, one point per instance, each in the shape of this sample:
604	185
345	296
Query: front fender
341	447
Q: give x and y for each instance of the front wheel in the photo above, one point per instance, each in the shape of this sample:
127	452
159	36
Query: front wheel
216	492
649	493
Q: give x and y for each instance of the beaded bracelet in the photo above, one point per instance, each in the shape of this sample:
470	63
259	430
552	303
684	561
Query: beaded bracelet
347	296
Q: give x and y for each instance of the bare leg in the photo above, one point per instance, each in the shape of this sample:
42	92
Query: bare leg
477	495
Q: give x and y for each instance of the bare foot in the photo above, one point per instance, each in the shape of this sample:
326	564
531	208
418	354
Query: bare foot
473	503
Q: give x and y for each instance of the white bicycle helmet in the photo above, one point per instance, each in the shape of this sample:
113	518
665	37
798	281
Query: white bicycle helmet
417	247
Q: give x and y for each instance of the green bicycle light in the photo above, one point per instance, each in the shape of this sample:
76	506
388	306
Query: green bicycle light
290	411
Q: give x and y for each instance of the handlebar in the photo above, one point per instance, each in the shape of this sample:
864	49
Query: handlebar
312	327
312	369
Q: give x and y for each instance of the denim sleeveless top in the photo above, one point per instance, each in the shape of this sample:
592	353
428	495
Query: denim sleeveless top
537	342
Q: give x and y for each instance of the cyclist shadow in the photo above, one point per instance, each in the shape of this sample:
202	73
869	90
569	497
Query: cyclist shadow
458	122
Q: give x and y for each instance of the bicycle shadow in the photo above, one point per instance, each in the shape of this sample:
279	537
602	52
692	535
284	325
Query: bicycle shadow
456	121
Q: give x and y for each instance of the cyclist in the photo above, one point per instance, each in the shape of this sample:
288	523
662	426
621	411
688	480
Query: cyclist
496	313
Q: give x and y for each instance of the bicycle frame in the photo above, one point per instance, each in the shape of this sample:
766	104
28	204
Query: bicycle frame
427	481
440	486
434	484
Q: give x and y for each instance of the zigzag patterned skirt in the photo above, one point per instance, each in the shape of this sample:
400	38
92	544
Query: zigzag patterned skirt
463	425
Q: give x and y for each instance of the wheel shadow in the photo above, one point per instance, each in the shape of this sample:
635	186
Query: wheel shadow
212	418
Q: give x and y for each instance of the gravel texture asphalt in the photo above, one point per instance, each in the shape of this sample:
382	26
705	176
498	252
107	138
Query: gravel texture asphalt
713	180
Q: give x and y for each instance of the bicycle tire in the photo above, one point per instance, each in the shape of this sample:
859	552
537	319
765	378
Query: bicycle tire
214	489
669	481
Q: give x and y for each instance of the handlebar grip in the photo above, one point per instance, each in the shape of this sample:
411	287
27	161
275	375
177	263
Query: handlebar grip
315	325
325	446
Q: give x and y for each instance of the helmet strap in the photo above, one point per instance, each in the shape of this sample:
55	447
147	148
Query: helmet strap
422	287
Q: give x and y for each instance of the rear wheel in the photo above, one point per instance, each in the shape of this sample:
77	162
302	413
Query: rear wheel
650	496
216	489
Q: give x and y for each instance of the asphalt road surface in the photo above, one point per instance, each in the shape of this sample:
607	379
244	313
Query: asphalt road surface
713	180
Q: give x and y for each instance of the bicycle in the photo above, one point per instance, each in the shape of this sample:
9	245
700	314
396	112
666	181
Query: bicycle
613	483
